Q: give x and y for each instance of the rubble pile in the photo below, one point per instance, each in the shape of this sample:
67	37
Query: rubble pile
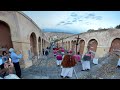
108	68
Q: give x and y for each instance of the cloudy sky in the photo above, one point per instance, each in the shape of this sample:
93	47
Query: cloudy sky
74	21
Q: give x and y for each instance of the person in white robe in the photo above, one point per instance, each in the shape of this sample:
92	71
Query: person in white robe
67	66
86	61
59	59
63	54
95	60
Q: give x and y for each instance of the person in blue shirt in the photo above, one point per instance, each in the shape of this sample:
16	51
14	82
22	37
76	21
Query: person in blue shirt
15	59
1	62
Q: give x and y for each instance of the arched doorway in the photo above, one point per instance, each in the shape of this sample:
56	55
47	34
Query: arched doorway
33	44
92	45
115	45
39	44
72	45
82	44
68	45
5	36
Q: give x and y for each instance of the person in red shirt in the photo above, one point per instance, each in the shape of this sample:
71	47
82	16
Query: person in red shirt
62	51
59	59
54	52
77	57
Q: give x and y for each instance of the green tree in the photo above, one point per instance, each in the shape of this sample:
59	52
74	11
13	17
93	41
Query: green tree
90	30
117	27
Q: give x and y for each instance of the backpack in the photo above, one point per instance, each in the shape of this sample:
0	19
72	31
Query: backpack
87	57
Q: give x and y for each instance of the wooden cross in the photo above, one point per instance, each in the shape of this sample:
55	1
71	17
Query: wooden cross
77	42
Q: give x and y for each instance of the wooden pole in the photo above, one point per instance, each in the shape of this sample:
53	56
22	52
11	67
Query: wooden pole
77	43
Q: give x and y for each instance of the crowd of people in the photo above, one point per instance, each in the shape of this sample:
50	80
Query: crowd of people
9	60
67	60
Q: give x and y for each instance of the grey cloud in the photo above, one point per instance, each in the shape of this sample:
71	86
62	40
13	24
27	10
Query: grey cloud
57	24
80	20
68	23
88	23
93	16
98	18
75	17
62	22
73	14
74	20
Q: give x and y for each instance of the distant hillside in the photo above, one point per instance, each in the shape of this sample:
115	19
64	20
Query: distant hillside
57	31
58	34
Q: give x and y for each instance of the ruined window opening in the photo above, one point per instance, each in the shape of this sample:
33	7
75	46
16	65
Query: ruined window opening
5	36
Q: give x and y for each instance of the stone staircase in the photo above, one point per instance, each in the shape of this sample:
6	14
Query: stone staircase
46	68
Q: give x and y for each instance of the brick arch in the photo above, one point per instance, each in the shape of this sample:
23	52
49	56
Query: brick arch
92	45
39	44
115	45
82	45
5	35
33	44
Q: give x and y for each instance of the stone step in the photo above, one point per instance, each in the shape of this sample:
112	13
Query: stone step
30	76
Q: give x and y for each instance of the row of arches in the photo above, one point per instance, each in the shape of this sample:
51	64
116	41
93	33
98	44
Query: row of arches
33	44
6	39
92	45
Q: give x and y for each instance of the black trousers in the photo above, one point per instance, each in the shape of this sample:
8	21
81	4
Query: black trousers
43	52
2	66
17	69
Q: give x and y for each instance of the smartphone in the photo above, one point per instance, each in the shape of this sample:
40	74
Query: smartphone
10	60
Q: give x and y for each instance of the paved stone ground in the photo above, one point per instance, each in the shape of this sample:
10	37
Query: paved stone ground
46	68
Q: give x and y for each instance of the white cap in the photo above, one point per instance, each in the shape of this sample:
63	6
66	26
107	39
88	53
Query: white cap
11	50
62	52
